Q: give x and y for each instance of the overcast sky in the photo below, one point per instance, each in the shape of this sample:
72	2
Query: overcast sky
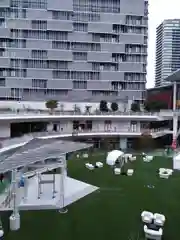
158	11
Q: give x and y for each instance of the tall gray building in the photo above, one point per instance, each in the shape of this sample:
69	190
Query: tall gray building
167	49
73	49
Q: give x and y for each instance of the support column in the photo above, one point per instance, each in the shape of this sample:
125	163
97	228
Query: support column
175	131
175	126
25	189
15	217
62	190
54	186
39	185
174	95
175	117
123	143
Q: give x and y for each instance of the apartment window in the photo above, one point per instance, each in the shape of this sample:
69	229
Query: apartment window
80	75
2	82
106	6
80	27
104	93
60	45
15	92
61	74
17	43
16	33
33	34
38	24
54	64
2	22
2	52
61	15
39	83
39	54
79	84
57	35
80	56
85	17
35	64
16	63
16	73
39	4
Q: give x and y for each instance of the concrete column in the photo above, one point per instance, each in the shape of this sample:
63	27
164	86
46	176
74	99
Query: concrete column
123	143
175	125
174	95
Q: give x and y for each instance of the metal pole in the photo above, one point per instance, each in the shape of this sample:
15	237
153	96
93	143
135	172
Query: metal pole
54	185
25	189
39	185
175	117
14	192
62	177
174	95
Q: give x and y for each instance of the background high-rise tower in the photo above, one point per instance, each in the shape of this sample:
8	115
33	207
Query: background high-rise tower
73	50
167	49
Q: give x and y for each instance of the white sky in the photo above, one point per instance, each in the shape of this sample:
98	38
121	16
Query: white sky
158	11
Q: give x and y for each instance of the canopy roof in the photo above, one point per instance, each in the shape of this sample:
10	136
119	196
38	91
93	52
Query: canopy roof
113	156
38	150
174	77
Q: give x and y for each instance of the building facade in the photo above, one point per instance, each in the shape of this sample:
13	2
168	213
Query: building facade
73	50
167	50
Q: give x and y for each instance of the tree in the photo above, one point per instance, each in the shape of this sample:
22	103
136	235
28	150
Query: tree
135	107
114	106
103	106
51	105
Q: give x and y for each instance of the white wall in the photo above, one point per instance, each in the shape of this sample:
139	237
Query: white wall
5	130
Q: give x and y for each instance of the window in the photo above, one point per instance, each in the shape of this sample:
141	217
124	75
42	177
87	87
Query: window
2	52
80	27
61	15
35	63
38	24
39	54
80	85
85	17
17	43
60	45
2	82
39	83
39	4
61	74
54	64
80	56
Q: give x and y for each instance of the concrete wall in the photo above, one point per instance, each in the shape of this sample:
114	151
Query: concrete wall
5	131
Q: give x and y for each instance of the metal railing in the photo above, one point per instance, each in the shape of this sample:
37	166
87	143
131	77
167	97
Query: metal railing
72	113
28	137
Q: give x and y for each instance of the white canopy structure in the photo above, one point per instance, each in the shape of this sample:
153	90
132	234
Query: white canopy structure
176	162
113	156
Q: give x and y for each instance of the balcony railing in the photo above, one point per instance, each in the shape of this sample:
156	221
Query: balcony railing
43	113
28	137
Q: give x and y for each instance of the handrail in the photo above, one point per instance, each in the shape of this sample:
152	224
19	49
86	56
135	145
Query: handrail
20	140
130	113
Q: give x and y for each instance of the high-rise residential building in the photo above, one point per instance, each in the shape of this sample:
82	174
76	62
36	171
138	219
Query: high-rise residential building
167	50
73	49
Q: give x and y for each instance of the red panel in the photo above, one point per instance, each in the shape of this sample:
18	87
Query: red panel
161	96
